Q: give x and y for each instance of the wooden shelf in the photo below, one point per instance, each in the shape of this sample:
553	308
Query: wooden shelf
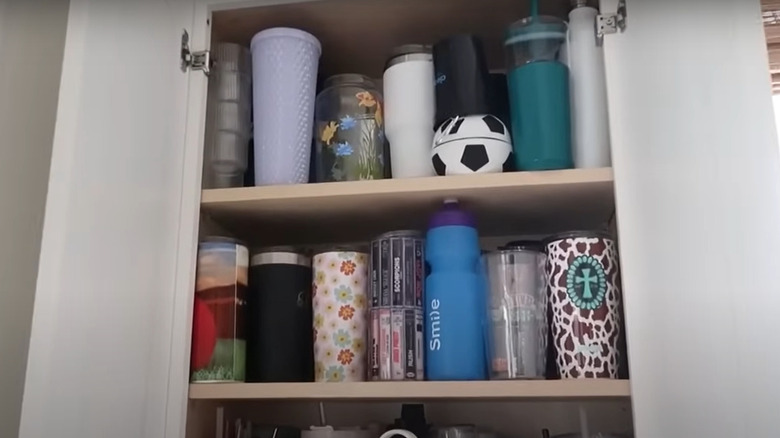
504	204
490	390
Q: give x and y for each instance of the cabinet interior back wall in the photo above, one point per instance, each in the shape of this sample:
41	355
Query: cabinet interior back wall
508	419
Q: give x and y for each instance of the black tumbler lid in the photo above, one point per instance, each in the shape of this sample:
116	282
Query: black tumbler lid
280	258
220	239
409	52
415	234
576	234
524	245
349	79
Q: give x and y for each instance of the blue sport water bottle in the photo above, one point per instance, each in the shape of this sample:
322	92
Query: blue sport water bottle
454	298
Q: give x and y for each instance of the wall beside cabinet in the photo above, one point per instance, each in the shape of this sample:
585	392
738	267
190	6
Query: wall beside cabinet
32	36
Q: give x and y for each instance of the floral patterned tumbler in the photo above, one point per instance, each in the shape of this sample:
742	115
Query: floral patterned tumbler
339	301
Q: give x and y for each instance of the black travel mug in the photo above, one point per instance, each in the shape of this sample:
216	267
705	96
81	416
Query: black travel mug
462	78
280	337
499	99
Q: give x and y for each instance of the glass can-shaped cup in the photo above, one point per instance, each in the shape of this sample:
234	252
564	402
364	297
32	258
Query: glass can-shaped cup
349	136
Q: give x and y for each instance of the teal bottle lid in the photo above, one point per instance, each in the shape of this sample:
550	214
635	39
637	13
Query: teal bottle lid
538	28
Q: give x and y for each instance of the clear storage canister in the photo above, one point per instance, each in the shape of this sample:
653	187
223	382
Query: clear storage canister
349	135
228	117
517	306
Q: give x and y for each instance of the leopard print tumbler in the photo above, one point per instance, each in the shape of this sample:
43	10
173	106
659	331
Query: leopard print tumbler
583	286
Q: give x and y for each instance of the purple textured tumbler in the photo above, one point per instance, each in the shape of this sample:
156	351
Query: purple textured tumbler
284	70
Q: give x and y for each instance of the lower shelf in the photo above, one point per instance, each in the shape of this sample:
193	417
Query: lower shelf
491	390
503	203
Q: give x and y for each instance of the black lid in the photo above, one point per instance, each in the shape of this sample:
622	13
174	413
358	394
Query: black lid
409	52
343	248
355	79
408	49
220	239
400	233
528	245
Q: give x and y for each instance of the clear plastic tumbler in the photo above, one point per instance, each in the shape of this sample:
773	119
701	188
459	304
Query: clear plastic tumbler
517	306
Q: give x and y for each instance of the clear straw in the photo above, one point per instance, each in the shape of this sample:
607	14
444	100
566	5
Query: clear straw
584	432
534	8
323	420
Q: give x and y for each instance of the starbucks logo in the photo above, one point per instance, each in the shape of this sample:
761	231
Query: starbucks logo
586	283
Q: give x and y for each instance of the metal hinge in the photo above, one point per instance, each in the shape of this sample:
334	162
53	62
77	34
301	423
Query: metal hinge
195	61
607	24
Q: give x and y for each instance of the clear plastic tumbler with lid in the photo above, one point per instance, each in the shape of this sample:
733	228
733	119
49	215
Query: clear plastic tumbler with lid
517	309
539	94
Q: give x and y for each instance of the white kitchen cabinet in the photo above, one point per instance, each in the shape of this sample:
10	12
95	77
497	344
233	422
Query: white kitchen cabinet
696	185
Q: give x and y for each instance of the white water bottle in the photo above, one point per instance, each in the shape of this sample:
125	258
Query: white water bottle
410	108
588	84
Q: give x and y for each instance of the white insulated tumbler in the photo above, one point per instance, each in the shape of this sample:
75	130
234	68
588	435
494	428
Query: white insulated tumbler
410	108
588	88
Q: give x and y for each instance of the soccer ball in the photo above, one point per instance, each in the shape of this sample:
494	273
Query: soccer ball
471	144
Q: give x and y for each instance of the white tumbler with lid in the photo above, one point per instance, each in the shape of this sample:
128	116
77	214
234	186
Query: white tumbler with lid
284	71
410	109
588	88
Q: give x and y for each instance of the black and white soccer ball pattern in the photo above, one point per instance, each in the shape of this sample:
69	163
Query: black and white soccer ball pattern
471	144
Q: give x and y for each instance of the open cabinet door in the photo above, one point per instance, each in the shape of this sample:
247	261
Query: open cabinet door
697	173
100	346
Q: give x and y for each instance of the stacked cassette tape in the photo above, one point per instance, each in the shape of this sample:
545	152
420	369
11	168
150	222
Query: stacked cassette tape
396	312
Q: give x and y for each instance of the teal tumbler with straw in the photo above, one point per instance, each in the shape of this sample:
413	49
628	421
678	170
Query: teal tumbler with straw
539	93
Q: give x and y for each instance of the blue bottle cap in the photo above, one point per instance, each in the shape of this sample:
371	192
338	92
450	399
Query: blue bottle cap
452	215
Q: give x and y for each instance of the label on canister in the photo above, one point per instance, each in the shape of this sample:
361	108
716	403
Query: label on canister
397	272
410	338
397	281
409	272
375	274
419	343
419	273
385	344
398	260
398	366
384	266
373	333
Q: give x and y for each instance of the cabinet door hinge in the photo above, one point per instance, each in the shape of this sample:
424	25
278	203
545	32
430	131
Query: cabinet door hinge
615	22
195	61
